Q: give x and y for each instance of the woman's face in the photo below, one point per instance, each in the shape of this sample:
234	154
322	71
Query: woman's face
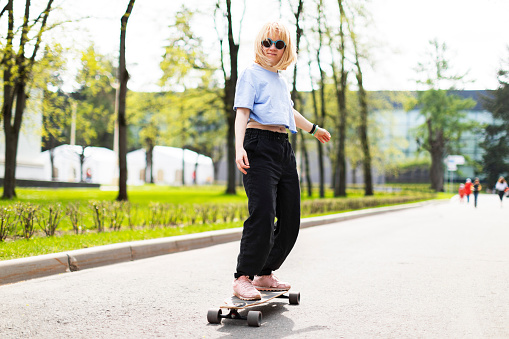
272	53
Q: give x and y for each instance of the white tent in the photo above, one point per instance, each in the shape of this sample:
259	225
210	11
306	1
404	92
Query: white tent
167	166
99	162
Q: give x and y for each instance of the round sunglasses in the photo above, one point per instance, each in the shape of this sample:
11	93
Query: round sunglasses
280	44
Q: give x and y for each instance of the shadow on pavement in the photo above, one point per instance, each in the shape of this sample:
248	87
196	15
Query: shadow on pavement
274	323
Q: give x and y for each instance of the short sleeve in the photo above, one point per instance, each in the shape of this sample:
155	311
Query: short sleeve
244	93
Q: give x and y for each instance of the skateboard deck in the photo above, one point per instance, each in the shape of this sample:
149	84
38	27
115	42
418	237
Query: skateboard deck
254	318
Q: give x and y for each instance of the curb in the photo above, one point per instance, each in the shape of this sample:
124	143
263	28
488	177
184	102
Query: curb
16	270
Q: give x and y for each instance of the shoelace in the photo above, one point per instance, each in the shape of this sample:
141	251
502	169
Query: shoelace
275	280
248	284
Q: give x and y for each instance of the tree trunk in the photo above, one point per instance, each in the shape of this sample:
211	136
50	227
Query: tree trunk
11	148
12	139
10	131
363	132
436	148
437	172
294	94
320	121
54	176
363	128
229	102
82	162
149	159
319	148
183	166
17	69
123	76
320	117
340	188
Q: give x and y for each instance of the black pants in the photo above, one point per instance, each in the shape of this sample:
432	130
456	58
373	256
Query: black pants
501	195
476	194
273	191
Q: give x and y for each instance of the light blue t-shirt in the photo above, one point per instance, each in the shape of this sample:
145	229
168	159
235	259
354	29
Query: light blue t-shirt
267	95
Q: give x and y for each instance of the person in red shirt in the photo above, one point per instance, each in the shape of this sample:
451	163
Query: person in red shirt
461	192
468	188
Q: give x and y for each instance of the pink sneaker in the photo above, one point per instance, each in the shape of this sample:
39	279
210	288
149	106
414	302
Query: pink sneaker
243	289
269	283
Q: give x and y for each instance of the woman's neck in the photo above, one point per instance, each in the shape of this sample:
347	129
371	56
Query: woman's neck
269	68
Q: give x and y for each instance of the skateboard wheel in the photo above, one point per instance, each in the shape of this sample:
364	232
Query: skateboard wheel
294	298
254	318
214	316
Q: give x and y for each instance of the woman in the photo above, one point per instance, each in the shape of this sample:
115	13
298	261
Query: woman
468	189
501	187
476	188
266	159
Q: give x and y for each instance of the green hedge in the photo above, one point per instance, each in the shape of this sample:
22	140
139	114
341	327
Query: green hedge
25	220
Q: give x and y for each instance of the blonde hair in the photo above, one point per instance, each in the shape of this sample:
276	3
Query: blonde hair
276	30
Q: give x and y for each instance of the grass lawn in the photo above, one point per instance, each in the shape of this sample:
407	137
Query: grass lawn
142	197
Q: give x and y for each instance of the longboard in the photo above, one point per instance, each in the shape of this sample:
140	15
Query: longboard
254	318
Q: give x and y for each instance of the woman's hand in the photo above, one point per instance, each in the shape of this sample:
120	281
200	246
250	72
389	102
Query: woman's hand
322	135
241	160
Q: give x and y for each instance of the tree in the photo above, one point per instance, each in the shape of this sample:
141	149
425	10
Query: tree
340	81
92	104
148	117
55	103
320	116
363	127
442	111
228	96
123	77
17	70
496	139
298	34
195	102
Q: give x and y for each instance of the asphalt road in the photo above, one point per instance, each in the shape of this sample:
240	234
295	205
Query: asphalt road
438	271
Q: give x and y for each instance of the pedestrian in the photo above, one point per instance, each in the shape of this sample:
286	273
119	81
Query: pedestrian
501	187
461	192
468	189
264	112
476	188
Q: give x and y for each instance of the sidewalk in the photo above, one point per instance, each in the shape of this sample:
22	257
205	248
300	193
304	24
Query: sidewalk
12	271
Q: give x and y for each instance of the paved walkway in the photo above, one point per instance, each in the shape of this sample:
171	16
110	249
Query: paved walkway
437	271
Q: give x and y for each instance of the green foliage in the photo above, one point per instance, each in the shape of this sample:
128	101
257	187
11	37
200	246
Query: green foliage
27	214
49	219
408	164
159	220
325	206
443	112
56	109
8	222
496	140
95	100
184	62
445	116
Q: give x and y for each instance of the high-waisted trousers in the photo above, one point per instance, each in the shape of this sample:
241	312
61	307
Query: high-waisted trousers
273	192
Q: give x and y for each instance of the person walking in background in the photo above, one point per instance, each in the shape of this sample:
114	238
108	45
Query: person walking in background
468	189
501	188
461	192
476	188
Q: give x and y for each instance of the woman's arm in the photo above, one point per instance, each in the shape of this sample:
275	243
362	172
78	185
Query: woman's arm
240	131
321	134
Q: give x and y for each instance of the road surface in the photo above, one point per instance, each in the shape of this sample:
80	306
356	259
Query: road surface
438	271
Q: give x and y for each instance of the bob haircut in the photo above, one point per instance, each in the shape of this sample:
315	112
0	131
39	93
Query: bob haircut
276	30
